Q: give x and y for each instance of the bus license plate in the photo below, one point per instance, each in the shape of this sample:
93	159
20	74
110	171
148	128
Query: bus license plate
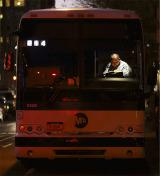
54	126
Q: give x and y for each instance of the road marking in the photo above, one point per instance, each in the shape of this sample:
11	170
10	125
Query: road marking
6	138
7	133
2	135
11	124
29	172
7	145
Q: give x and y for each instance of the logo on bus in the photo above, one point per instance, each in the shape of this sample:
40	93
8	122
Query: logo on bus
81	120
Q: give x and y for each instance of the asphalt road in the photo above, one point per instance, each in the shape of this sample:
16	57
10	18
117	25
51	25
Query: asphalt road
9	166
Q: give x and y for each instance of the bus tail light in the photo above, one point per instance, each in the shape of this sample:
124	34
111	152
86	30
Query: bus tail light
22	128
35	128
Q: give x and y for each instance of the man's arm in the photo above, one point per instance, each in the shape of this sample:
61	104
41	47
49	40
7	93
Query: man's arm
106	69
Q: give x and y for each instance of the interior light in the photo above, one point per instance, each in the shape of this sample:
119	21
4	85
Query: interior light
18	3
14	78
29	42
133	52
147	45
38	72
36	43
54	74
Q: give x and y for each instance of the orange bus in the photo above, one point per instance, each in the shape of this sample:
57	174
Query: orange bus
66	107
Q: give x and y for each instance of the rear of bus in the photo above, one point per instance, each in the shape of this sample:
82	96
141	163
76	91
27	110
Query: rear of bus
65	107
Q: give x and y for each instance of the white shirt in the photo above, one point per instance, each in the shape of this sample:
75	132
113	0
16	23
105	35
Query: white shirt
122	67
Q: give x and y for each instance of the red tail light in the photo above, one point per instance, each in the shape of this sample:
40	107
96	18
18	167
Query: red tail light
22	128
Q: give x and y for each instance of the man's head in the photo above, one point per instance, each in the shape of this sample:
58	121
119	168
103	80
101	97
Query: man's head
115	60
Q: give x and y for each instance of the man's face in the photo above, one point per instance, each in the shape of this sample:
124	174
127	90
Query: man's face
115	61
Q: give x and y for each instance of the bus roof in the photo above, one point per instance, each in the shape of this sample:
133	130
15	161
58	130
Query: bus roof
89	13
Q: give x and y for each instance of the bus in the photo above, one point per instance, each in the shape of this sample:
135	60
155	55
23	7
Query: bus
66	107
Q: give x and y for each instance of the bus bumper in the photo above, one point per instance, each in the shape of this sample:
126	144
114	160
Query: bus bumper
80	152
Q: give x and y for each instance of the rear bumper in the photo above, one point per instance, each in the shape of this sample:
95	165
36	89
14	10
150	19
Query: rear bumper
80	152
70	147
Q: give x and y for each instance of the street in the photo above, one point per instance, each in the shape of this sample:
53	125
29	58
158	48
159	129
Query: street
9	166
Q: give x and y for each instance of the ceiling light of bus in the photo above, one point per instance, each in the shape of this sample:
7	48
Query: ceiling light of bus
133	52
147	45
53	74
18	3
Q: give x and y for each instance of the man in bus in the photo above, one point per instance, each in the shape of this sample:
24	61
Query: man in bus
117	67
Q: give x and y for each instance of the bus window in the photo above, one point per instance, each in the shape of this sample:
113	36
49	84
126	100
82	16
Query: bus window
43	67
97	59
